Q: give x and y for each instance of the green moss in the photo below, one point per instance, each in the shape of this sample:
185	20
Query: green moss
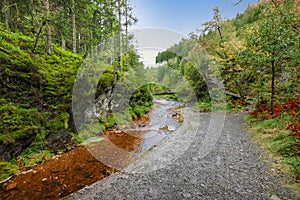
141	101
33	155
59	122
8	169
17	122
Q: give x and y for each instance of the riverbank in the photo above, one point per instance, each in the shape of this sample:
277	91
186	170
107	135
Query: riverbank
77	168
235	168
68	172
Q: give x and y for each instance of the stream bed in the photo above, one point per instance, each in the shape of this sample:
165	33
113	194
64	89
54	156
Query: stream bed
164	118
80	166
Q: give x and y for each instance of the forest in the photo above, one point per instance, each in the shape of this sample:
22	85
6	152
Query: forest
43	45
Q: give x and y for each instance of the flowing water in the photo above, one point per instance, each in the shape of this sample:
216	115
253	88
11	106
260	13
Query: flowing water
163	119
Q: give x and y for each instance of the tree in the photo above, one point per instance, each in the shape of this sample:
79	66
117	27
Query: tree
214	24
119	10
73	15
6	10
48	29
271	43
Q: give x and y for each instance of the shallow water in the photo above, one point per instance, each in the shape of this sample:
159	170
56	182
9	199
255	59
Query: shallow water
162	122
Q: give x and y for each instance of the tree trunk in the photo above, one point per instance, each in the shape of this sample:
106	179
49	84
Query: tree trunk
49	48
32	14
220	34
91	45
37	36
74	33
113	57
239	88
6	6
222	39
120	32
63	43
126	25
273	88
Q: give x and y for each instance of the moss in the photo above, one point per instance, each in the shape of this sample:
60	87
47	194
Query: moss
33	155
141	101
35	90
8	169
36	94
59	122
17	122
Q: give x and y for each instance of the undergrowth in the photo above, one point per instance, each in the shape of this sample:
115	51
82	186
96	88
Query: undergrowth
279	133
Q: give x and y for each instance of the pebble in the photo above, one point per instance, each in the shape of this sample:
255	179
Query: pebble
28	171
11	186
274	197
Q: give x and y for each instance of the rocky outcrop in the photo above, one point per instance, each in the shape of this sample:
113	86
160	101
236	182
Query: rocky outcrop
14	148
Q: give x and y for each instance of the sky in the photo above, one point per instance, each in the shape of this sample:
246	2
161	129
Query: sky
182	16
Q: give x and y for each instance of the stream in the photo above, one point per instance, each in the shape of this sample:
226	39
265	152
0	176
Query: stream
163	120
93	161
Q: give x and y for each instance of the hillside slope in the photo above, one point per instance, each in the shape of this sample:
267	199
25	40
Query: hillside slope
35	98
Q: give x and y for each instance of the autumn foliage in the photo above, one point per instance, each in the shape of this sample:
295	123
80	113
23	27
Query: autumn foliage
291	107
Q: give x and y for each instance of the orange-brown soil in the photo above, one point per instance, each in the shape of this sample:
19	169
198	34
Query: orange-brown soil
71	171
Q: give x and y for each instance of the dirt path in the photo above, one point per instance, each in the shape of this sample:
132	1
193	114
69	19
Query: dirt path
233	168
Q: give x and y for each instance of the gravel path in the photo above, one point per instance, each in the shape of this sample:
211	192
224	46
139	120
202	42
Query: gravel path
234	169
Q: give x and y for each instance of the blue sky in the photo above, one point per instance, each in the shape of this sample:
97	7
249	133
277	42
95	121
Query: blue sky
183	16
180	16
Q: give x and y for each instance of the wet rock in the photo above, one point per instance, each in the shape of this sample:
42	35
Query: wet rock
13	149
142	125
165	128
26	172
58	140
87	174
55	170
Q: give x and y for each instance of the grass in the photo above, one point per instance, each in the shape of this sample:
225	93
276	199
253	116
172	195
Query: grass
275	141
229	106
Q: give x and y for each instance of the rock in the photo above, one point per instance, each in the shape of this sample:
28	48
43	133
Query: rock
11	186
58	140
165	128
13	149
274	197
55	170
26	172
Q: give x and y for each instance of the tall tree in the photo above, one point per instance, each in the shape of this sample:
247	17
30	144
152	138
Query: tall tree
49	48
215	23
6	9
73	15
273	42
119	10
